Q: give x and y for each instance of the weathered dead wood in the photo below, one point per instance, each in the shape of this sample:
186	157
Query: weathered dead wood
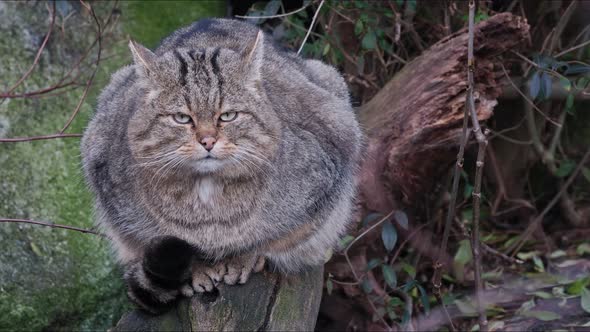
414	123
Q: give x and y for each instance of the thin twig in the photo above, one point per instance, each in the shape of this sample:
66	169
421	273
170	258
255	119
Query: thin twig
495	252
438	266
563	22
573	48
37	138
482	142
91	79
276	16
315	16
49	224
38	55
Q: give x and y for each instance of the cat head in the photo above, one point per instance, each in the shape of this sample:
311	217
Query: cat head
202	111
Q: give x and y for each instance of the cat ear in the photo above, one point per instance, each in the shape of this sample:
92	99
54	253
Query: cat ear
143	57
253	57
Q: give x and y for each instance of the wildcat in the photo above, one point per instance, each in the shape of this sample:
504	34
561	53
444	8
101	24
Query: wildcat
216	152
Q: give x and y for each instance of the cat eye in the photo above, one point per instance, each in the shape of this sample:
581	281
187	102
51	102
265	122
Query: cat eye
182	118
228	116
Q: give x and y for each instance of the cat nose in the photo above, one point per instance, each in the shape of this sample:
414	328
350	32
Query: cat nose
208	142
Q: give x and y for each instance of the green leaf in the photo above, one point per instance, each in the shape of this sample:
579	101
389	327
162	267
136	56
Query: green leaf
546	79
539	266
366	286
467	191
565	83
424	299
463	255
526	306
466	308
326	49
358	27
388	235
272	8
525	256
345	241
405	317
577	286
557	253
535	86
586	173
565	168
36	249
495	274
401	218
374	262
583	248
389	275
585	299
582	82
329	286
395	302
409	269
542	295
541	315
409	285
371	217
511	241
467	214
369	41
577	69
569	101
448	299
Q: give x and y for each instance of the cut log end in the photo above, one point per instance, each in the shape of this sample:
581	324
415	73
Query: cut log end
267	302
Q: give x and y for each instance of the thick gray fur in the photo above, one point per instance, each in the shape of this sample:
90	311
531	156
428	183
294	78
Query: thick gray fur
284	188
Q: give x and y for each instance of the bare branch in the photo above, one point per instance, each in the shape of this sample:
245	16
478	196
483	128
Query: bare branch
38	55
37	138
276	16
52	225
315	16
91	79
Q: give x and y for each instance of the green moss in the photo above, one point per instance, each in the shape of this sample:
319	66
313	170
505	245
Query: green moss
51	278
150	21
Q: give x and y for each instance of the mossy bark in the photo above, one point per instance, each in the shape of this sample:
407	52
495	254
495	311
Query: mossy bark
267	302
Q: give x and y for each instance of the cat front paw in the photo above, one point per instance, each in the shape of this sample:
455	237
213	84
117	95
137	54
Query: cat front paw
231	271
240	268
206	278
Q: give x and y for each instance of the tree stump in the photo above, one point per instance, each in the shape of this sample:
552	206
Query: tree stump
267	302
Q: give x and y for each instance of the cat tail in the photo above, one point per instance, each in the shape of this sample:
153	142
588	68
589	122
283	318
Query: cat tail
154	283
